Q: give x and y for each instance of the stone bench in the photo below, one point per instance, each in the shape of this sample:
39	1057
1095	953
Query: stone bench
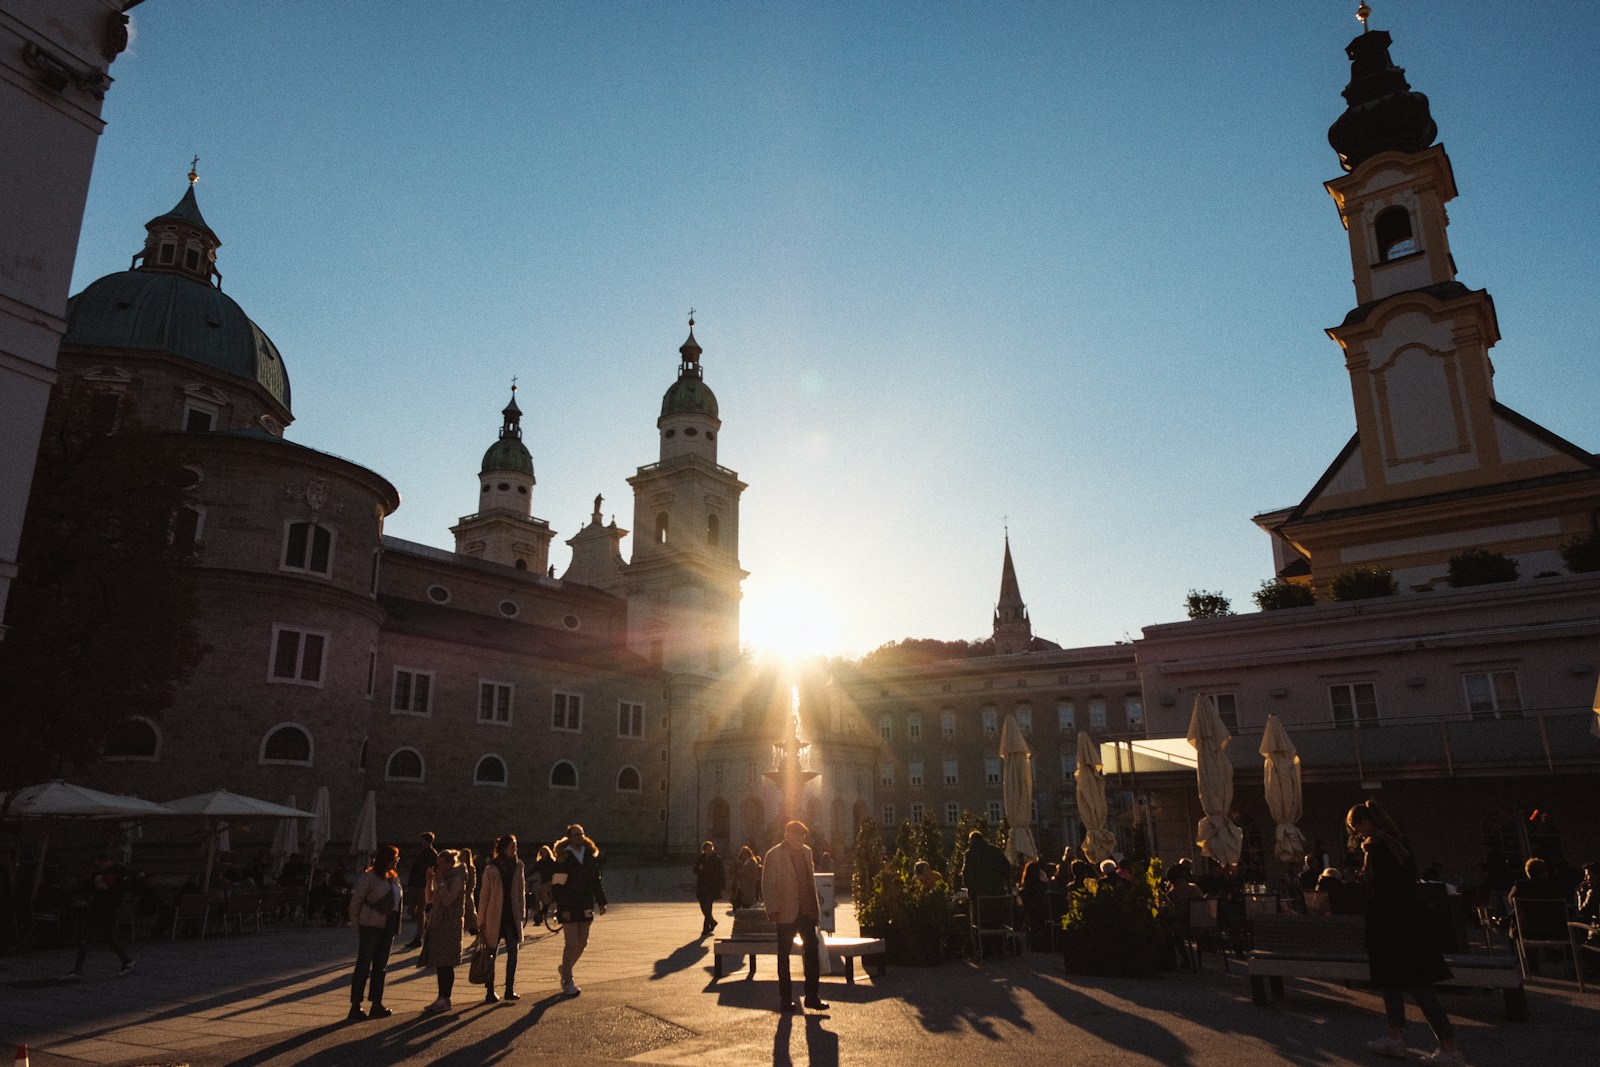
842	951
1333	947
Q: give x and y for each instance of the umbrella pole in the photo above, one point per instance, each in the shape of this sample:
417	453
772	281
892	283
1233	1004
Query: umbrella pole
38	868
211	855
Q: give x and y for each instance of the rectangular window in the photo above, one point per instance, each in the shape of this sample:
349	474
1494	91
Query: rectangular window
916	813
886	728
991	770
952	771
1025	719
952	813
566	712
1354	704
886	815
914	772
914	726
1069	765
494	702
991	722
886	774
198	420
1493	695
630	719
716	775
1133	712
298	656
1228	709
413	692
1067	716
994	813
1097	714
307	547
947	726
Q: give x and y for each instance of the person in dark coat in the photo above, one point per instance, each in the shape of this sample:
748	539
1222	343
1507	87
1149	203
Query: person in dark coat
710	878
1400	947
106	890
579	897
417	886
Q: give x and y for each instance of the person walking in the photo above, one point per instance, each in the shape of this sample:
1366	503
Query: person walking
1400	949
579	896
710	877
446	911
417	886
375	911
502	906
789	887
107	887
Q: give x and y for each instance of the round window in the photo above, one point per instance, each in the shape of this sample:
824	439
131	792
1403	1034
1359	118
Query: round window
522	489
503	486
570	622
485	487
690	432
508	609
670	433
710	436
438	594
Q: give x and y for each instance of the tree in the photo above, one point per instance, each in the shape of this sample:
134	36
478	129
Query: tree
1582	554
1275	593
1477	566
915	651
1364	583
930	842
1205	604
102	611
905	839
866	859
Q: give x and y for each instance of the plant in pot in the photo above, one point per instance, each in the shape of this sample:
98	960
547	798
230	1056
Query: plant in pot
1111	929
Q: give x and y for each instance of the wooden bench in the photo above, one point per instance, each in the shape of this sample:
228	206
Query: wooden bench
1333	947
753	935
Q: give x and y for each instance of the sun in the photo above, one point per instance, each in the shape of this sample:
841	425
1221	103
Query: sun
790	620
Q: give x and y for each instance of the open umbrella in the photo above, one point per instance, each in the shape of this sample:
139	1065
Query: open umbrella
217	807
1091	788
1281	777
1016	789
286	842
365	840
61	800
1217	835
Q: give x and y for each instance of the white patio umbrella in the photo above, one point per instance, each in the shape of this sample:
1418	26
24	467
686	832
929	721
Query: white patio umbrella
1090	780
217	807
1217	835
1281	777
49	801
286	842
321	825
1016	790
365	840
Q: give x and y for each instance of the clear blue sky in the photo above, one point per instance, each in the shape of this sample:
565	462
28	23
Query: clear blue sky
1064	262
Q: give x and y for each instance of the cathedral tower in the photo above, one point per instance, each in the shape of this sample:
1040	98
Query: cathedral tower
1013	632
503	530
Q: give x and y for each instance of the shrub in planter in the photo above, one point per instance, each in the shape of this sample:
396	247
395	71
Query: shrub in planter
1582	554
1364	583
913	921
1112	930
1276	593
1479	567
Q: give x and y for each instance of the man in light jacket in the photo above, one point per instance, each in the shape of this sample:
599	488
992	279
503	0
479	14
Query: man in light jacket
789	888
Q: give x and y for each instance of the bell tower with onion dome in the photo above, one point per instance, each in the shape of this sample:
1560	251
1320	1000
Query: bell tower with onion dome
503	529
683	583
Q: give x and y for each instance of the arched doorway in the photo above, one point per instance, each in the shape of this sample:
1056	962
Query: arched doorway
720	828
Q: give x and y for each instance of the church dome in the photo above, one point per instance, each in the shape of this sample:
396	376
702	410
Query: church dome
689	395
508	454
170	313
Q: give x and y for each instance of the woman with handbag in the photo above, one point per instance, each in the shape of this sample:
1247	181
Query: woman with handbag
502	906
442	948
375	913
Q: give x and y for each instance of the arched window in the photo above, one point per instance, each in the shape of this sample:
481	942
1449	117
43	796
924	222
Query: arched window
405	765
661	527
628	781
287	743
563	776
491	770
307	547
133	739
1393	230
714	530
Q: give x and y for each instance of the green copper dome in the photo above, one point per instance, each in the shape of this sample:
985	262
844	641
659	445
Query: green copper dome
509	454
689	395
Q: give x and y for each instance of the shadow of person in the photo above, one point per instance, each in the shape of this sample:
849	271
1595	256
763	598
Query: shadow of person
681	958
496	1046
780	1042
822	1045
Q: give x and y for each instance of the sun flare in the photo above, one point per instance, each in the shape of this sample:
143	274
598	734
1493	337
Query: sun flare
790	620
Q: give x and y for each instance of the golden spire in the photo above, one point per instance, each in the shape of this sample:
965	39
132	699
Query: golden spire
1363	13
194	172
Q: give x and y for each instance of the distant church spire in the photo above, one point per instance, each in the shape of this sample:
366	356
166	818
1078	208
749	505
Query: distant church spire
1013	632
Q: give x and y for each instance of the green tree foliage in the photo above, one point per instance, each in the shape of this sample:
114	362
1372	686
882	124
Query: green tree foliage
915	651
930	843
1276	593
1205	604
866	860
1364	583
1477	566
905	839
101	613
1582	554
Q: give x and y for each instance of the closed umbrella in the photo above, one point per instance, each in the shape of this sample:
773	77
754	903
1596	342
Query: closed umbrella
364	841
1217	835
321	825
1016	789
1281	776
1091	788
286	842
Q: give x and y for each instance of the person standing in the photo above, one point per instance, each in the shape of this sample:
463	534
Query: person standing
375	910
469	869
1400	949
502	906
417	886
544	871
108	886
579	897
789	887
442	950
710	877
746	879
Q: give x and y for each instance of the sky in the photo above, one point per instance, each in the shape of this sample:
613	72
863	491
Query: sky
1058	268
